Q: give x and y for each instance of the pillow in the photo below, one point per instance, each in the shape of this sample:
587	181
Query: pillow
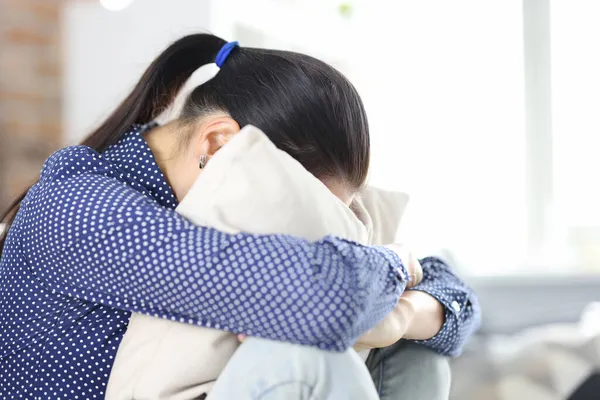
252	186
380	211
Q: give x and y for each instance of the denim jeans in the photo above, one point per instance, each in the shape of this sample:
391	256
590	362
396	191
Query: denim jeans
268	370
407	370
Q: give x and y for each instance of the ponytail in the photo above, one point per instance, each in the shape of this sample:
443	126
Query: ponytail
306	107
157	88
153	94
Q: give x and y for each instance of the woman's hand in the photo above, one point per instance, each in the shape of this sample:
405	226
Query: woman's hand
411	263
396	324
417	316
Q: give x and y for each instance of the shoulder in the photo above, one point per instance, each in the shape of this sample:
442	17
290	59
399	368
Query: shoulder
74	180
73	161
69	171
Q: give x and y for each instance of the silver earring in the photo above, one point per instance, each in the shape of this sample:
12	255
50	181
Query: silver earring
203	160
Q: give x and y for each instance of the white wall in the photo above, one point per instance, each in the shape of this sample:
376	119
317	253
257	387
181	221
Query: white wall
105	52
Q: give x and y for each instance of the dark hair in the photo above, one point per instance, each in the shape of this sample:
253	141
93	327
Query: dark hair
306	107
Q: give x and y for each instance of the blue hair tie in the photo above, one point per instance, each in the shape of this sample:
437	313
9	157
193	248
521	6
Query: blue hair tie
224	53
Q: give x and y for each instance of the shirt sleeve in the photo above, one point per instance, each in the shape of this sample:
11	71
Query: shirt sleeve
92	237
462	311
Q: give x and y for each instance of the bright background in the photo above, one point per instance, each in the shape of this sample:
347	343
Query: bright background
482	111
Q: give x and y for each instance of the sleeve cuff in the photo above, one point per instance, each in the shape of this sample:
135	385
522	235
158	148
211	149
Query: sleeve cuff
455	299
440	343
395	263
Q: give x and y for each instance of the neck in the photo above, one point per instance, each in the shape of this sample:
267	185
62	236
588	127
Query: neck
163	141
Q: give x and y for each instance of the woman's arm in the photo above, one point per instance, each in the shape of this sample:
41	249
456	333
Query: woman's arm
461	311
428	315
441	312
92	237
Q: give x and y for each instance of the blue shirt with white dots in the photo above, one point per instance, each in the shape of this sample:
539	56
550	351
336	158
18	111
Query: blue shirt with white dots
97	238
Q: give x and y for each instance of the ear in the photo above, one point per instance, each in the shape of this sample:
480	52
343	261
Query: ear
213	133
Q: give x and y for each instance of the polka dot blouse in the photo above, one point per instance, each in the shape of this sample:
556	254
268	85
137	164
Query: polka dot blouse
97	238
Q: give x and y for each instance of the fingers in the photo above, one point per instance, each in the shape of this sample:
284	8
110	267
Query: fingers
415	274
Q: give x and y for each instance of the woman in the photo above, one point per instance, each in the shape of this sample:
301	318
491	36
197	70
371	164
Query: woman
96	238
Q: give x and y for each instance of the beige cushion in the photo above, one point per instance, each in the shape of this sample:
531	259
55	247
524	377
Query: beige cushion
249	186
